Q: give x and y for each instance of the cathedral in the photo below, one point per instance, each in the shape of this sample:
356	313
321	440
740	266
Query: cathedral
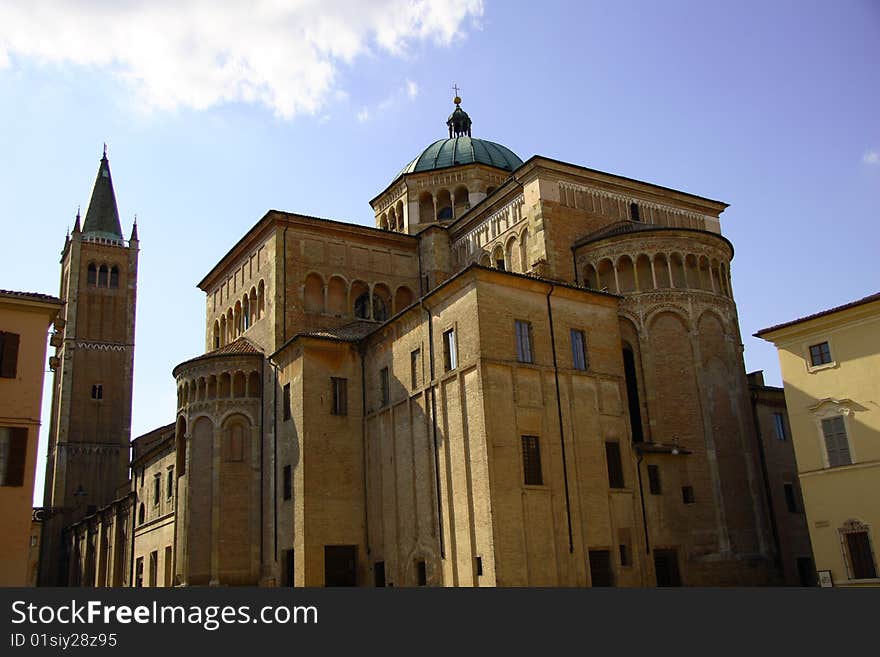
528	373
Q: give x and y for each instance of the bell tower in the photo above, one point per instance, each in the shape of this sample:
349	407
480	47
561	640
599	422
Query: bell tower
90	425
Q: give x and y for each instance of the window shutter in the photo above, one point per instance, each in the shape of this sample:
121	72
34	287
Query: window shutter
860	555
17	456
9	358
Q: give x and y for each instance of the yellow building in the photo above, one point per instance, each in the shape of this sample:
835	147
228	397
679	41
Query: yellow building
24	320
527	373
829	367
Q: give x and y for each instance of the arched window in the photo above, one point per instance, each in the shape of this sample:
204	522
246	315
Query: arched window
444	205
362	306
261	300
216	334
246	312
102	276
114	276
93	274
381	302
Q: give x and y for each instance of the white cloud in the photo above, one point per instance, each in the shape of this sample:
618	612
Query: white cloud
412	89
363	116
871	157
283	54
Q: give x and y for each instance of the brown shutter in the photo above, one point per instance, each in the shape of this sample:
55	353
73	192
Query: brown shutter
17	456
9	358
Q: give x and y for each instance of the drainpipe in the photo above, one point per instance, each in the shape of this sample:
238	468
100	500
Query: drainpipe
131	556
361	350
561	430
434	427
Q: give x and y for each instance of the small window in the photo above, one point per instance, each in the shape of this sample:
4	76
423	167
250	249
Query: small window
615	466
578	350
415	367
92	274
288	483
836	443
379	574
450	357
654	479
114	276
625	558
634	212
779	426
687	494
861	558
479	566
13	454
9	355
531	450
102	276
169	493
157	488
98	391
286	401
141	514
820	354
340	396
421	573
384	386
523	341
790	501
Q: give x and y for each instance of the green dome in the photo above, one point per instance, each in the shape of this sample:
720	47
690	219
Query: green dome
463	150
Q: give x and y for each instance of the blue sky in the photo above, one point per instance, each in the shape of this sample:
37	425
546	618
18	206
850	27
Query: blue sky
213	117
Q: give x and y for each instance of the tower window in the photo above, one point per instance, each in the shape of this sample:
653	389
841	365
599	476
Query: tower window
340	396
531	450
114	276
523	341
102	276
578	350
654	479
92	274
615	466
385	391
634	211
450	357
98	391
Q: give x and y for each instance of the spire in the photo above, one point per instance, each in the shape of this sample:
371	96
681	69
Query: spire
134	230
102	217
459	123
76	228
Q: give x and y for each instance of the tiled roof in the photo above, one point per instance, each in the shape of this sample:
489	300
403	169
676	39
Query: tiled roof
351	332
239	346
852	304
32	296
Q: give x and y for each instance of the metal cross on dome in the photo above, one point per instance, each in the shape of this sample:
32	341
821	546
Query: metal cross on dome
455	89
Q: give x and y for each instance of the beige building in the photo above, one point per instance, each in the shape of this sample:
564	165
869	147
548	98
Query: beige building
526	374
829	364
25	320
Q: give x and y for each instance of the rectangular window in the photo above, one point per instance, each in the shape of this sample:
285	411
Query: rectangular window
600	568
384	386
139	572
531	450
421	573
154	567
340	396
8	355
415	367
523	341
13	452
624	555
836	443
578	350
169	493
288	483
779	426
450	356
654	479
820	354
858	545
289	567
615	466
790	501
286	402
687	494
97	391
379	574
157	487
479	566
